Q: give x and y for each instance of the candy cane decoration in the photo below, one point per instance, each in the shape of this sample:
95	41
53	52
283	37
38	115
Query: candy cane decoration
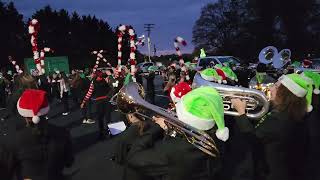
99	57
179	40
121	31
17	67
140	41
33	28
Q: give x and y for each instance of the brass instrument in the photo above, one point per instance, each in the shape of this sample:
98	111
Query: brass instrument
130	100
267	54
257	102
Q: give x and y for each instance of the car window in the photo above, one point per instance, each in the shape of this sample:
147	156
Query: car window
147	64
231	60
207	62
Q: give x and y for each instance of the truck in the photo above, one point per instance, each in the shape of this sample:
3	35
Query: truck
52	64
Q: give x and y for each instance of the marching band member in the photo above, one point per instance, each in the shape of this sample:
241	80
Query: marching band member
272	136
101	90
159	156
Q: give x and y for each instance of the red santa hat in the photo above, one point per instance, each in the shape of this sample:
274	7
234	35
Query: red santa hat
179	90
33	103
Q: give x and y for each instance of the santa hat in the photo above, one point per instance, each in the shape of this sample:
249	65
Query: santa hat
306	63
211	74
179	90
202	108
298	86
33	103
220	72
315	80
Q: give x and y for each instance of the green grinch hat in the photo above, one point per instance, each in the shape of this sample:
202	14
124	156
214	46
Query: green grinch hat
298	86
153	68
296	64
315	77
129	78
229	73
202	108
211	74
202	53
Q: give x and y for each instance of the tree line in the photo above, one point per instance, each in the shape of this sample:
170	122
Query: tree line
67	34
243	27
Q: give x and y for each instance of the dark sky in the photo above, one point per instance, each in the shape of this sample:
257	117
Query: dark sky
172	17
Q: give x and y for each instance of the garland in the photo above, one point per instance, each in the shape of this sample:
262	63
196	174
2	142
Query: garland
122	29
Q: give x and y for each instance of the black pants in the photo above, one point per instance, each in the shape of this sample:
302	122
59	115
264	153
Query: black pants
86	111
104	109
2	99
65	102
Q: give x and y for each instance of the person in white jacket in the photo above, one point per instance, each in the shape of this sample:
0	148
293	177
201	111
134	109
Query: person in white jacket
64	93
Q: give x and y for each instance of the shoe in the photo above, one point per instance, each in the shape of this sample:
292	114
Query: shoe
84	121
90	121
47	117
66	113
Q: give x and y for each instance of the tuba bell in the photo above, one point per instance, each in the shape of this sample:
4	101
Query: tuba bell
257	102
130	100
267	54
282	58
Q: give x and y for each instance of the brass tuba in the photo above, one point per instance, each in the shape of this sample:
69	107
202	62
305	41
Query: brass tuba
257	102
130	100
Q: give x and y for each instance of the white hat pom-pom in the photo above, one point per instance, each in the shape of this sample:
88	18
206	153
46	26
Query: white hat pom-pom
316	91
35	119
310	108
223	134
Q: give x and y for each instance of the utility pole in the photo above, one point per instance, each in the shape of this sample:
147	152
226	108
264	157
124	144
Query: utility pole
154	50
148	28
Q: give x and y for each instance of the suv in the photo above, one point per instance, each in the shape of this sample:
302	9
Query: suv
210	61
143	67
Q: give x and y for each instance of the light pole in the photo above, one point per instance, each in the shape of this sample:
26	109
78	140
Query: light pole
148	28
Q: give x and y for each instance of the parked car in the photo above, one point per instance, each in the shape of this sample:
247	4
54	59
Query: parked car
210	61
143	67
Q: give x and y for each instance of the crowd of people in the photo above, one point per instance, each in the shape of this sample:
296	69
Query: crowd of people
282	145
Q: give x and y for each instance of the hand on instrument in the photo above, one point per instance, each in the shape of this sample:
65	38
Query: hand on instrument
132	118
82	105
160	122
239	105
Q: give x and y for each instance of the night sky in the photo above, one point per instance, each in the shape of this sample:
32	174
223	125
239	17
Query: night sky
171	17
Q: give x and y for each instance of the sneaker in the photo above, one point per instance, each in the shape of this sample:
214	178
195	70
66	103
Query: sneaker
84	121
90	121
66	113
47	117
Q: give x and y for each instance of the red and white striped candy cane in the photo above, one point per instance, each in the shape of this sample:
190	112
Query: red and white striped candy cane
99	57
33	29
179	40
140	41
16	66
122	29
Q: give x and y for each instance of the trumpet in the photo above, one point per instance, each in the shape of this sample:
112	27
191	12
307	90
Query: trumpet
130	100
257	102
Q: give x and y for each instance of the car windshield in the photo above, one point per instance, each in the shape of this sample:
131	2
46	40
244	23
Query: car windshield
229	59
207	62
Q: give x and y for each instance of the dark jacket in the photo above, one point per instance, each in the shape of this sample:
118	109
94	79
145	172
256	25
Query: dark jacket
271	139
159	157
44	152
